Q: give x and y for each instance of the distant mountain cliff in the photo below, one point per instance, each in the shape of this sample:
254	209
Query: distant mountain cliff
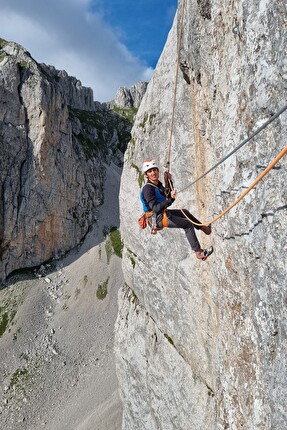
130	97
55	143
202	345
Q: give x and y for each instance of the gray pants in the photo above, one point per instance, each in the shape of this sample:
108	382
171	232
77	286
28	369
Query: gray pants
177	220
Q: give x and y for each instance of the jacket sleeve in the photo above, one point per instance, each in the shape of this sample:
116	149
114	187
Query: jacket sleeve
150	198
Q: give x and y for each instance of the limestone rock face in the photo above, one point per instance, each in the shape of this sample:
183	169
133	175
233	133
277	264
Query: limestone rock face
76	95
54	140
130	97
202	345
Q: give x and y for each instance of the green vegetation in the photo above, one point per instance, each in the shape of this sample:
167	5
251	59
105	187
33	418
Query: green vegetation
132	261
24	356
93	120
10	300
15	335
116	240
86	143
2	58
144	121
131	257
109	249
147	119
128	113
106	123
7	314
4	321
114	243
151	118
19	373
3	42
124	137
88	117
132	147
169	339
65	307
23	65
22	380
91	147
102	290
140	175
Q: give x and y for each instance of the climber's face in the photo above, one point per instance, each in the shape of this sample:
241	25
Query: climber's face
153	174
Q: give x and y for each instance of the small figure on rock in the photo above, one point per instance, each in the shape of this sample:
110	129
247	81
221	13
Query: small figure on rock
156	199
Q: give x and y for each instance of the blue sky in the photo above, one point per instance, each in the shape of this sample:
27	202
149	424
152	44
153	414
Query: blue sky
142	25
106	44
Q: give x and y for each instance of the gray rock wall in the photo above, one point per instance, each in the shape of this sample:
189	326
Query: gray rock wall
202	345
54	140
76	95
130	97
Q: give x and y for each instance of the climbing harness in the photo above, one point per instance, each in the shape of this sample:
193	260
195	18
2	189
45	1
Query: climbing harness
149	219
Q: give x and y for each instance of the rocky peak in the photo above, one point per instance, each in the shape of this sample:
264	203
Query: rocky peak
72	91
56	145
130	97
76	95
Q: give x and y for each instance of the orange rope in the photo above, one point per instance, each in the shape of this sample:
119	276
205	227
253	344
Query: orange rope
258	179
175	86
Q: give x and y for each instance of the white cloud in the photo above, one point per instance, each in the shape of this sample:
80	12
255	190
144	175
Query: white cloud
66	35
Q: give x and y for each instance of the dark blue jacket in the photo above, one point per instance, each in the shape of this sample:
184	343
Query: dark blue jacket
153	198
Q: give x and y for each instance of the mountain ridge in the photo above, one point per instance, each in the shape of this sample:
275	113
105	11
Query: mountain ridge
56	140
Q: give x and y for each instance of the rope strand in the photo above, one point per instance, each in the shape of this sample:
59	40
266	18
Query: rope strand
276	115
175	87
257	180
224	158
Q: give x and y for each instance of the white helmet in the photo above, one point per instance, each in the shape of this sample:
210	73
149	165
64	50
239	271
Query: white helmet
149	164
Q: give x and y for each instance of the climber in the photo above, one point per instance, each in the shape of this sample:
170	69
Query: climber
156	198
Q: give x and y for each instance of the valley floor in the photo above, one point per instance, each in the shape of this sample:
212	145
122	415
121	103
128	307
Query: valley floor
56	355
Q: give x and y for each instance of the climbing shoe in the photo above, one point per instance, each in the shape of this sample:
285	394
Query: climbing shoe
202	254
208	251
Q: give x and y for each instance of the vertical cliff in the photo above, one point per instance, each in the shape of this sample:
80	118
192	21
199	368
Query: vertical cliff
55	145
202	345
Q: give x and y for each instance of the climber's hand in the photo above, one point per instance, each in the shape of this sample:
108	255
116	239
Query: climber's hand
173	194
168	175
